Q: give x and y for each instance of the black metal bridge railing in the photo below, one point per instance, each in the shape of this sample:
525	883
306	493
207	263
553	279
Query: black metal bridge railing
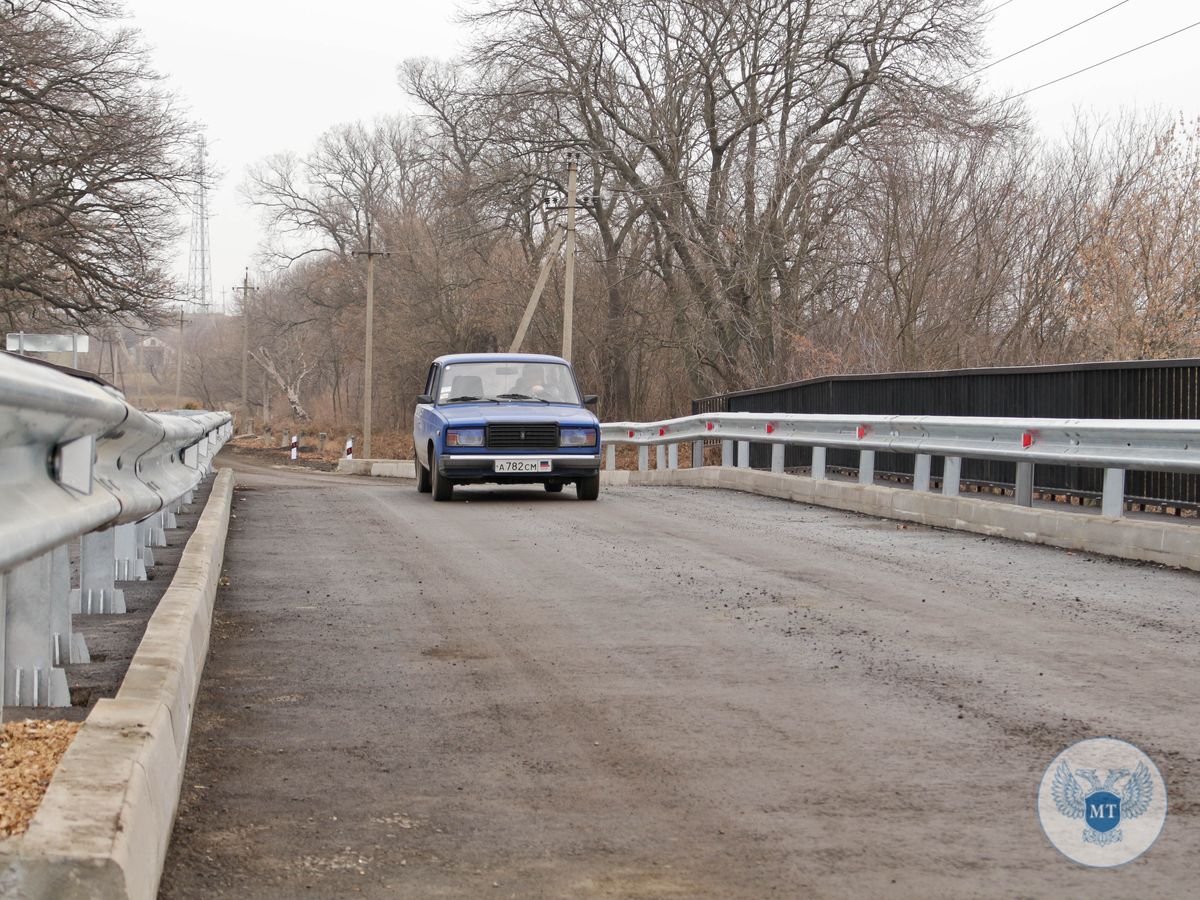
1143	389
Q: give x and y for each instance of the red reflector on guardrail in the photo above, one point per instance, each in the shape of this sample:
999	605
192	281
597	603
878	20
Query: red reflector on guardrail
861	431
631	434
709	425
661	432
770	428
1026	439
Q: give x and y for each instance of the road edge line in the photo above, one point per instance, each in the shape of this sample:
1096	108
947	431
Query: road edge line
105	822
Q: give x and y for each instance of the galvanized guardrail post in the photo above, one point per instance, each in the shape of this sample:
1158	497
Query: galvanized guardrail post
1023	490
69	647
818	463
1112	503
33	677
97	591
921	472
866	466
697	454
952	476
777	458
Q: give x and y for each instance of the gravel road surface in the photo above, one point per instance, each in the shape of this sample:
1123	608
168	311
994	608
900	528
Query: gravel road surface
667	693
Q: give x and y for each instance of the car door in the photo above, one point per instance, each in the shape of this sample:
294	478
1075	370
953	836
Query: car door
424	419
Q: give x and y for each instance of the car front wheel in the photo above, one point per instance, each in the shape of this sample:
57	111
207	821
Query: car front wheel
588	488
442	487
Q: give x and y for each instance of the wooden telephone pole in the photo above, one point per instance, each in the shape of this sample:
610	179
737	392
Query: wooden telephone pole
370	253
246	290
573	157
179	360
569	281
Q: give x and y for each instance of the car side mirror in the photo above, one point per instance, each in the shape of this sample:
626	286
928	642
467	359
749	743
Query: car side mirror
424	398
590	399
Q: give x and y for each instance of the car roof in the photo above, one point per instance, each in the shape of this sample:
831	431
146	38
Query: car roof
499	357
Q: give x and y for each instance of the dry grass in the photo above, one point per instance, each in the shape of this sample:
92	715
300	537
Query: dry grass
277	436
29	754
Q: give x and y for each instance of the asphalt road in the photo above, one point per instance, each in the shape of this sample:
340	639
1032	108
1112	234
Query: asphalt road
667	693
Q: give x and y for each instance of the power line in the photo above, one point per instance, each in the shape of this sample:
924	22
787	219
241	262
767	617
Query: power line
1045	39
998	6
1104	61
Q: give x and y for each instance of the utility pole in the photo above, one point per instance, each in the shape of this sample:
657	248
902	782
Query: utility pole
179	360
574	203
246	289
569	284
179	354
370	253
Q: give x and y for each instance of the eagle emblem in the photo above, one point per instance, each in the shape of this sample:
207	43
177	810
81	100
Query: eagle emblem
1102	805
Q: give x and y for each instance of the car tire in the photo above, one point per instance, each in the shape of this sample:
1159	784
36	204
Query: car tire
424	486
441	486
554	487
588	488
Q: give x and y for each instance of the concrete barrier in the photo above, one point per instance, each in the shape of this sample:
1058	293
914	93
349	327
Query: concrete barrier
1168	543
385	468
104	824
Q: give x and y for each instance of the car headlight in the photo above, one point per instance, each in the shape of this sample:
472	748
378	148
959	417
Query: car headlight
577	437
464	437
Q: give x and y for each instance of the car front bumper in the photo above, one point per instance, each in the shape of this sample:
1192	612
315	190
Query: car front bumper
482	467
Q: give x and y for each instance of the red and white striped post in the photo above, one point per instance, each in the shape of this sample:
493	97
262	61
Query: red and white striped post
295	447
350	447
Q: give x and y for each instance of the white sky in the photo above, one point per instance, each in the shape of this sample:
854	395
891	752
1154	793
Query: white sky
266	76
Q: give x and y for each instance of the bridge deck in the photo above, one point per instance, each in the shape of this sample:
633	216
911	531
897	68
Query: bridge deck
666	693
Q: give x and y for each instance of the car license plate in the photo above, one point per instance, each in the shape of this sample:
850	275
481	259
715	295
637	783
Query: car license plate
524	465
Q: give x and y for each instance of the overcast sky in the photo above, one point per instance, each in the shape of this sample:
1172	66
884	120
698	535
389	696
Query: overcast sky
266	76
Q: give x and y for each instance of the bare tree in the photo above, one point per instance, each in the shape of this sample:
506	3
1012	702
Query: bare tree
93	157
733	123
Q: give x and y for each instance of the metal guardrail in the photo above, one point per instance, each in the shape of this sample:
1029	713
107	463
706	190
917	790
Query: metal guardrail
1163	389
1114	445
78	461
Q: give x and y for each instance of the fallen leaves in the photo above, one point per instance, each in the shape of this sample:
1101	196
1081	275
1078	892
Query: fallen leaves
29	754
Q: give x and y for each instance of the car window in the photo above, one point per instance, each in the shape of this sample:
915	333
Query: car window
507	381
430	379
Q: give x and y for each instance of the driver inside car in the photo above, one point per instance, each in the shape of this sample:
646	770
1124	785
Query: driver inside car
532	382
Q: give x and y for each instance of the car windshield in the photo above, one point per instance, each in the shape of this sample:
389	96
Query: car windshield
511	381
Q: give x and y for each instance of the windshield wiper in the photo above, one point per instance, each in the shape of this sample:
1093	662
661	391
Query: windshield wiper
522	397
465	397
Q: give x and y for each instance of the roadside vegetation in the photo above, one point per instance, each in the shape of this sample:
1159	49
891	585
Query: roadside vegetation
774	190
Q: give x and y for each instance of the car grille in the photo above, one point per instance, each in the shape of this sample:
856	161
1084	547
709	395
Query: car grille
508	436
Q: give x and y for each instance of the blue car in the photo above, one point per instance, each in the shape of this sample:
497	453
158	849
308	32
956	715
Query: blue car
505	418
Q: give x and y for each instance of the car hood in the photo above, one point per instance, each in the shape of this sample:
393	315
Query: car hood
468	413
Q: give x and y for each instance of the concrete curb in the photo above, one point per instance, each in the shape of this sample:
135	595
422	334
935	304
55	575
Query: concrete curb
104	825
1167	542
380	468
